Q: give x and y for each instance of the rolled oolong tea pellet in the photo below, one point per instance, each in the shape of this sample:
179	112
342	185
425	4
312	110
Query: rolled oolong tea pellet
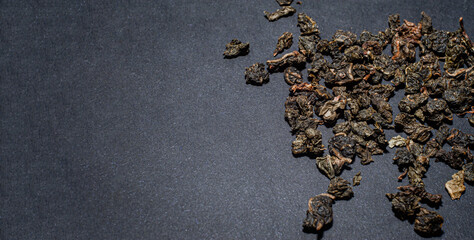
256	74
340	188
405	205
319	213
293	76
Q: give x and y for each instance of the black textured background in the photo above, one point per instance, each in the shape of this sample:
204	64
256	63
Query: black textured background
121	120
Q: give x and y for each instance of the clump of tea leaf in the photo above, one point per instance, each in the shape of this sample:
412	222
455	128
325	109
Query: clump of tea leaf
468	169
293	76
285	11
256	74
319	213
340	188
236	48
455	186
284	42
428	222
405	205
356	179
331	166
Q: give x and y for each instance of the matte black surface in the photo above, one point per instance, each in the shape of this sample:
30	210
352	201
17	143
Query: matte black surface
122	120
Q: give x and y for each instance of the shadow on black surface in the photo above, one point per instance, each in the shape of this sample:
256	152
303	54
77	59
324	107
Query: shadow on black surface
319	233
431	235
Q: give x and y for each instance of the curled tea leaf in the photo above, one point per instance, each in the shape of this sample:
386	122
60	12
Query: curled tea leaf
294	59
428	222
307	25
397	141
356	179
284	42
285	11
433	199
236	48
331	166
455	186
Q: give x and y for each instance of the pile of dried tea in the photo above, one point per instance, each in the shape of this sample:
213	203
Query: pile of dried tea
349	85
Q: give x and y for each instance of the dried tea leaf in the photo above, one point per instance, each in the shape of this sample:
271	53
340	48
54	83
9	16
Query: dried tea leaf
356	179
454	158
342	145
256	74
362	129
428	222
405	205
284	42
285	11
319	213
307	44
307	25
458	138
426	25
397	141
294	59
414	129
331	109
437	111
309	142
415	175
340	188
442	134
431	148
432	199
455	186
436	42
469	172
342	127
405	41
331	166
364	154
410	103
236	48
293	76
459	99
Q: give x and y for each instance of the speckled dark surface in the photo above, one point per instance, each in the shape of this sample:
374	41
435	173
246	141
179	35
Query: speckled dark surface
122	120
